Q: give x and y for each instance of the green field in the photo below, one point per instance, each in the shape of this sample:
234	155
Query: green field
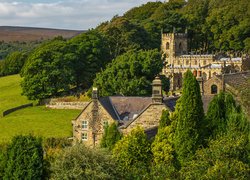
10	93
37	120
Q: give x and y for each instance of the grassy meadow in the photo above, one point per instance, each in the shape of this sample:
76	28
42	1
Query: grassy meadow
37	120
10	93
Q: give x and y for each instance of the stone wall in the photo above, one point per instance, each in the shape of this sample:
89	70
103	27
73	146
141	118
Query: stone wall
16	108
208	84
58	104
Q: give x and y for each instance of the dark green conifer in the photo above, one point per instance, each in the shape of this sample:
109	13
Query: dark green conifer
165	120
190	119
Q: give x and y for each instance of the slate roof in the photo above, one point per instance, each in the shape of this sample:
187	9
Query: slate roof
128	108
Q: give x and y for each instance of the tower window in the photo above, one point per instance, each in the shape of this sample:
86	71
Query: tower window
167	45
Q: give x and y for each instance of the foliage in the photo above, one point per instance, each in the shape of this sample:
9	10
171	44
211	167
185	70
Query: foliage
47	71
190	119
111	136
24	158
164	153
88	53
13	63
123	35
227	156
165	119
129	74
218	111
80	162
133	153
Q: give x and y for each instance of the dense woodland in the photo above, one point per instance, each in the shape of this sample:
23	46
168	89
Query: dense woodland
122	56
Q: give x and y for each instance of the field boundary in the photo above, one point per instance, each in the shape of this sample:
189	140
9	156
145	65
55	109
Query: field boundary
5	113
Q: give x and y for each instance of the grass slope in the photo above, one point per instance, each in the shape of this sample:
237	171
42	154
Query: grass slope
37	120
10	93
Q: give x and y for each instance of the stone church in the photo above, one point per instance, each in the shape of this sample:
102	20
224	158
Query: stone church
178	60
127	112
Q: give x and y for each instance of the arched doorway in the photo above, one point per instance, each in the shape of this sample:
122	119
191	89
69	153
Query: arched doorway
214	89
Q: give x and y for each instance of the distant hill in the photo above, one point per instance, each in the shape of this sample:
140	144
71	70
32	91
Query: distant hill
27	34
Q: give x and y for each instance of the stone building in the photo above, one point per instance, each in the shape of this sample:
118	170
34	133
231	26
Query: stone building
178	60
127	112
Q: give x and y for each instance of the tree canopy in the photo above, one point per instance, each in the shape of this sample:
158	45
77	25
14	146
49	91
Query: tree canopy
129	74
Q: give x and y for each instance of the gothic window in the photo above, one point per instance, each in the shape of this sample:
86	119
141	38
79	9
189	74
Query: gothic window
214	89
187	62
84	124
84	136
167	45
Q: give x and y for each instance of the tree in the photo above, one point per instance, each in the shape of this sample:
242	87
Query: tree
219	109
165	165
24	158
190	123
13	63
80	162
227	154
47	71
165	120
133	153
88	53
111	136
129	74
123	36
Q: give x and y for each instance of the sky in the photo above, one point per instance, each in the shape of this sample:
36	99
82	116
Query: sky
62	14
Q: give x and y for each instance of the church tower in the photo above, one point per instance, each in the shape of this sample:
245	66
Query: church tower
173	45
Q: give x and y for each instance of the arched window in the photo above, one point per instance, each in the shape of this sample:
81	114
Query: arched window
187	62
167	45
214	89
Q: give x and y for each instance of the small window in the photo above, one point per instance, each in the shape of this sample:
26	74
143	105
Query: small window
214	89
167	45
84	124
84	136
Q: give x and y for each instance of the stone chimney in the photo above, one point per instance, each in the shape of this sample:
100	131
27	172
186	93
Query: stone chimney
157	91
94	93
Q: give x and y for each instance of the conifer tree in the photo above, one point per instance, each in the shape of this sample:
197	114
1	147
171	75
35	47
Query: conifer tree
111	136
165	120
24	158
189	115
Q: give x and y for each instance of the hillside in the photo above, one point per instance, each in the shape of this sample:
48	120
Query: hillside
27	34
37	120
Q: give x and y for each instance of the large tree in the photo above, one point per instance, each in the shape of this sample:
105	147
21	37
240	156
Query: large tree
47	71
130	74
24	158
189	115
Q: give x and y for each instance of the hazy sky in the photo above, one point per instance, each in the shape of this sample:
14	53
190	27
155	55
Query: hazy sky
64	14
